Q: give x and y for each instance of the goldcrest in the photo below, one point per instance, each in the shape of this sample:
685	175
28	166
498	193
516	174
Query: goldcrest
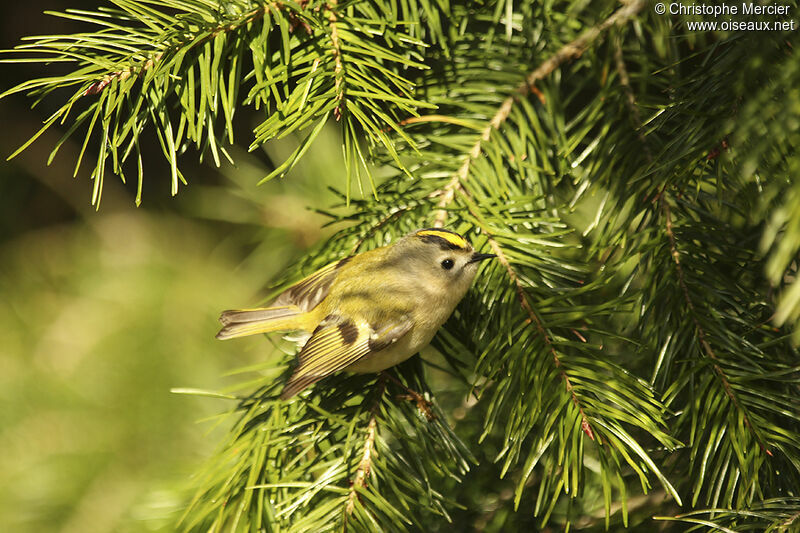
369	311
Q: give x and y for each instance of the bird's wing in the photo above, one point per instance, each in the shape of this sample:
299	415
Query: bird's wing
282	314
310	291
338	343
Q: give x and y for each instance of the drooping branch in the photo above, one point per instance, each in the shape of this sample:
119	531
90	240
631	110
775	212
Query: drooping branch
533	317
189	58
702	337
661	198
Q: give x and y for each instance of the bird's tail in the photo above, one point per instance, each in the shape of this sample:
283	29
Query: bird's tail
241	322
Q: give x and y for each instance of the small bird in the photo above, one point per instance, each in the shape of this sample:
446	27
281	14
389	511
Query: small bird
369	311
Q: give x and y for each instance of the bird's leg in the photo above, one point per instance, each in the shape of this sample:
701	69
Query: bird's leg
411	395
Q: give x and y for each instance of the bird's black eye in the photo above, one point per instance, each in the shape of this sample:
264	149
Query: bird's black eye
447	264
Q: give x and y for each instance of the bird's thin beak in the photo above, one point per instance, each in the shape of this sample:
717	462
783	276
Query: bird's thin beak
480	257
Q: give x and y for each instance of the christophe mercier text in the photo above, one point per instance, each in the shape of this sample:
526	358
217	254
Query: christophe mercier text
728	9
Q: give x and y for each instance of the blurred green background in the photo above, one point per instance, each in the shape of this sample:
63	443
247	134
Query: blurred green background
102	313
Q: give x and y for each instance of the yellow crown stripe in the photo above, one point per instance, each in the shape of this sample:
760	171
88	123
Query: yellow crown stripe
453	238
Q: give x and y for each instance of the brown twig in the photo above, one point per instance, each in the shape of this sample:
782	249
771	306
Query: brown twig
448	192
125	73
295	21
630	99
337	58
368	451
791	520
98	86
568	51
423	405
430	118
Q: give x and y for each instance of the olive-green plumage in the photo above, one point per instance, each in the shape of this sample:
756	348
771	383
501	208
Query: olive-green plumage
370	311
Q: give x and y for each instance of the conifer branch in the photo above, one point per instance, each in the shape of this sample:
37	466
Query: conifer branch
660	197
362	473
177	68
779	515
186	45
791	520
533	318
569	51
392	215
701	334
447	193
338	68
630	99
368	450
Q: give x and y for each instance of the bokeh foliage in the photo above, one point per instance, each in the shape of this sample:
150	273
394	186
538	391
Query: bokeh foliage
629	355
